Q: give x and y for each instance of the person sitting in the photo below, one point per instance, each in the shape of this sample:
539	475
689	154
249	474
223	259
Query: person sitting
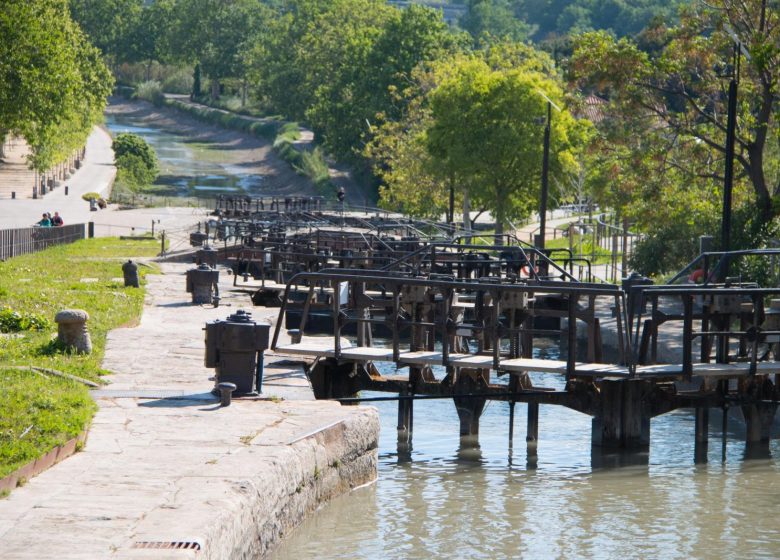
45	221
57	219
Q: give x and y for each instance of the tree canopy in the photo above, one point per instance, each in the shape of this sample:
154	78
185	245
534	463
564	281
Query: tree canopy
53	82
673	98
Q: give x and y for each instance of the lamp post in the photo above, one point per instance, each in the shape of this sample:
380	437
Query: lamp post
539	240
545	178
728	175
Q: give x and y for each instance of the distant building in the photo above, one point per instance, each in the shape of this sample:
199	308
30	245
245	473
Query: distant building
451	12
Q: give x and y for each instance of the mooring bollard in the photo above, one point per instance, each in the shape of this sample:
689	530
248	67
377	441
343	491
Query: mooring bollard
225	393
207	255
130	272
234	347
72	330
202	283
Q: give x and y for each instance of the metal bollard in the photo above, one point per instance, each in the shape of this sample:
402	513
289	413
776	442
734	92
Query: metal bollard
235	347
130	272
225	393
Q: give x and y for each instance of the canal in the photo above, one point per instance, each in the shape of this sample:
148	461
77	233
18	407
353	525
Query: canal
444	499
447	500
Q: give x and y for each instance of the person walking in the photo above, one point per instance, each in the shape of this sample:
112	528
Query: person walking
57	220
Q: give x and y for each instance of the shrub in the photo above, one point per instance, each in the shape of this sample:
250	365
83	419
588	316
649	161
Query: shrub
180	81
13	321
90	196
136	161
133	171
150	91
131	144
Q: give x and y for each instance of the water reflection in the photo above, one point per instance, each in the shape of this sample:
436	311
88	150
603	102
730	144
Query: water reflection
496	497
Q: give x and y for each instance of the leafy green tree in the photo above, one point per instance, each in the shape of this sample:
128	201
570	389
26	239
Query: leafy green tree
216	35
109	24
401	161
136	162
53	83
364	53
148	39
487	19
681	90
276	56
486	129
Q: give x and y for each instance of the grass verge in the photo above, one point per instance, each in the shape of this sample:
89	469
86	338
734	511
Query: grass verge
38	413
82	275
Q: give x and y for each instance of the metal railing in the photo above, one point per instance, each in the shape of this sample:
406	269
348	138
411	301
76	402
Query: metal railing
21	241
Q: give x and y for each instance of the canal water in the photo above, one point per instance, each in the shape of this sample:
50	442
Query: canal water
188	168
495	501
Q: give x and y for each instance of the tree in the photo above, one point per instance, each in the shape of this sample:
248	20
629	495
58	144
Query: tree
136	161
682	90
276	56
53	83
216	35
401	161
109	24
335	54
487	19
486	130
148	40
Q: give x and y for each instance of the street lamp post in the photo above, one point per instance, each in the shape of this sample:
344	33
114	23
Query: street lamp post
728	175
545	178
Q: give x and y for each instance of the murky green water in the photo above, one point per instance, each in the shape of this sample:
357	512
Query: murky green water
188	168
497	502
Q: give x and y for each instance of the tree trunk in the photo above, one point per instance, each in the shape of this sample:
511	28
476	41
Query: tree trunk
214	89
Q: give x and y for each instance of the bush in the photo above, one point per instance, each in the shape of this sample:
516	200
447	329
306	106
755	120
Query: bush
133	172
150	91
13	321
90	196
179	82
136	161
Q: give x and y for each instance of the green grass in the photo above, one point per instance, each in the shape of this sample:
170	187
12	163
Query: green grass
46	282
42	284
600	256
38	413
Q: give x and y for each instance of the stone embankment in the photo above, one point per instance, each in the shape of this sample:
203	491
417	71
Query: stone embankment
167	472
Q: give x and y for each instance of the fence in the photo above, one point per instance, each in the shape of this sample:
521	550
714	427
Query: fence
15	242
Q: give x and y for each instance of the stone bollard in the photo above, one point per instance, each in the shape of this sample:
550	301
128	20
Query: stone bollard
130	273
72	330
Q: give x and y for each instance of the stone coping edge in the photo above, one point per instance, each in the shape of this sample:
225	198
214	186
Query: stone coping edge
46	461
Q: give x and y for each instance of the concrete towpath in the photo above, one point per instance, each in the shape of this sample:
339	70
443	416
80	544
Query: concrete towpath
97	175
167	472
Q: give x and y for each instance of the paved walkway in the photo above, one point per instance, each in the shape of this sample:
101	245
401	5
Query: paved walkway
15	177
97	175
157	470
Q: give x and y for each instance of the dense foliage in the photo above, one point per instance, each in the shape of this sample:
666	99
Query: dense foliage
434	111
53	82
136	161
